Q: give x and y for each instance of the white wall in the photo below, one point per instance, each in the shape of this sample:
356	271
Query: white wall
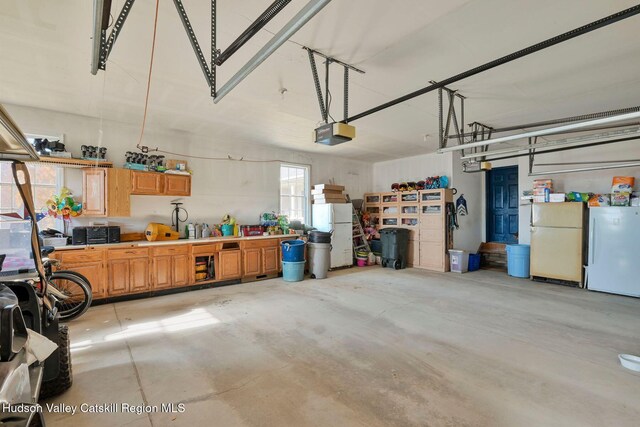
243	189
470	234
413	168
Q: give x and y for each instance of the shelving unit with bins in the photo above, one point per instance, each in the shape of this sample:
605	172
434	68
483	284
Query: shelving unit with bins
373	206
424	214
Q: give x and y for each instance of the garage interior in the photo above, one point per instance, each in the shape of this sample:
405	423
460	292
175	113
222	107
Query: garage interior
476	163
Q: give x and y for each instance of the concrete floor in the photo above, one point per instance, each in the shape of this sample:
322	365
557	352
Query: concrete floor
366	347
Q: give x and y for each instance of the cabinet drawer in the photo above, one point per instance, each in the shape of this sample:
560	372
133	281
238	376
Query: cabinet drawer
127	253
206	249
264	243
170	250
81	256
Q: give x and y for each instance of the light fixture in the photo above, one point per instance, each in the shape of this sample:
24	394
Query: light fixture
599	137
297	22
542	132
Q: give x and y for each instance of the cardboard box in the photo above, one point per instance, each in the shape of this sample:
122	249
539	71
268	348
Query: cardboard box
322	191
329	199
172	164
328	187
557	197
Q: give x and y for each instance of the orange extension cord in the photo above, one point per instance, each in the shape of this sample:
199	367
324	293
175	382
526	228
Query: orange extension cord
146	100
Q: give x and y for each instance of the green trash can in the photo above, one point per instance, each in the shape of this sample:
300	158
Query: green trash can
395	247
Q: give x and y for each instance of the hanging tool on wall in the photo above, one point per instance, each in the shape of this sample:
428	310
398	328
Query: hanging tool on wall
461	206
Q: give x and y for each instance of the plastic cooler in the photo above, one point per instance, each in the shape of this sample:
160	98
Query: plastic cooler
518	260
459	261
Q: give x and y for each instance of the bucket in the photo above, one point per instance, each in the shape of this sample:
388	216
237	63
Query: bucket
518	260
293	271
362	262
293	250
474	262
459	261
319	259
227	229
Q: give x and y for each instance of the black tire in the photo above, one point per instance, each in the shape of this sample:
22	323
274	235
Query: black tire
79	290
64	379
397	264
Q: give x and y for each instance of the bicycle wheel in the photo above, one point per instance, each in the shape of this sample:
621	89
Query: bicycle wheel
77	292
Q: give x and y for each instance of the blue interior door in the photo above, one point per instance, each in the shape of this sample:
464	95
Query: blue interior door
502	205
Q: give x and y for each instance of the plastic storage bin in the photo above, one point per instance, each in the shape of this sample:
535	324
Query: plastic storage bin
518	260
293	271
293	250
319	259
395	246
474	262
459	261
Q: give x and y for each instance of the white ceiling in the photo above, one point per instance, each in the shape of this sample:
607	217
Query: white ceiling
401	45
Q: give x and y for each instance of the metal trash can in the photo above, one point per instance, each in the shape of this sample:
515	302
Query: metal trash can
319	259
395	247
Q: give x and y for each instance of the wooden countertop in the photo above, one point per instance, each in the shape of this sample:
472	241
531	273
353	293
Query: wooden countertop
145	243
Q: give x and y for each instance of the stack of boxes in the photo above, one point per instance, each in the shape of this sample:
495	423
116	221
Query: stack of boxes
540	187
621	189
328	193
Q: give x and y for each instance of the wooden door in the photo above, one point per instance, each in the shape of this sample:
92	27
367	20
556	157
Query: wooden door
162	275
93	271
119	277
180	270
139	274
94	192
230	264
177	185
118	192
252	262
146	183
270	260
502	205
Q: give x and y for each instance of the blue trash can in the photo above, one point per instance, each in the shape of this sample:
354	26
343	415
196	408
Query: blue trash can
293	250
518	260
293	271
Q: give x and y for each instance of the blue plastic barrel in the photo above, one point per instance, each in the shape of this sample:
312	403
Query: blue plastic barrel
293	250
518	260
293	271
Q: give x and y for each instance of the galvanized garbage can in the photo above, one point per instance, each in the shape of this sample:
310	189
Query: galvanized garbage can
319	259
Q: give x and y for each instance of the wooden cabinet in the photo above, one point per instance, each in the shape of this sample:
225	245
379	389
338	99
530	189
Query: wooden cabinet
177	185
252	262
170	266
89	263
127	271
160	184
106	192
229	265
148	183
270	260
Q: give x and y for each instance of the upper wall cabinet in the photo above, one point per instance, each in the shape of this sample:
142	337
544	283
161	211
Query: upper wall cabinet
160	184
177	185
106	192
149	183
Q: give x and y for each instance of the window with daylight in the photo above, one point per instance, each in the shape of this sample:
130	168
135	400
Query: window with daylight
46	180
294	192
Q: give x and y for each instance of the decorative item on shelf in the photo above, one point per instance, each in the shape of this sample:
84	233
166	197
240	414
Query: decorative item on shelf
228	225
64	205
435	182
91	152
44	147
395	187
420	185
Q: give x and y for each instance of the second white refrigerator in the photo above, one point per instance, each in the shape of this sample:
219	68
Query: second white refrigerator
336	217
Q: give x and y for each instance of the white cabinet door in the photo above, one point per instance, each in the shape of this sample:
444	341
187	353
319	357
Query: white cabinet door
341	246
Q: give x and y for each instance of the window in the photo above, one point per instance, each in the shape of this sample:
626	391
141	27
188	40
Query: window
46	181
294	192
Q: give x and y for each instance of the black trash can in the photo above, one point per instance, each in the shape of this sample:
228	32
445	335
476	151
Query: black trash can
395	246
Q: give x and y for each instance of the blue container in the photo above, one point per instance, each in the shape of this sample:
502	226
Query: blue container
293	271
376	246
227	229
518	260
474	262
293	251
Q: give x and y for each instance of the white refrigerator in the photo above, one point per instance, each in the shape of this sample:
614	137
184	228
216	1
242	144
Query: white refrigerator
336	217
614	250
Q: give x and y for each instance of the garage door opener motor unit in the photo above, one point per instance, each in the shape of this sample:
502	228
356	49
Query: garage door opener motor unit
334	133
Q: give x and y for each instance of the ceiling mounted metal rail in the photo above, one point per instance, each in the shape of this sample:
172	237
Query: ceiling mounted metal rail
589	169
325	100
611	19
560	121
101	44
252	30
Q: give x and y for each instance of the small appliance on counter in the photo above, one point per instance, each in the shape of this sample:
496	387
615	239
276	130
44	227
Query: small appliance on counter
95	235
158	232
